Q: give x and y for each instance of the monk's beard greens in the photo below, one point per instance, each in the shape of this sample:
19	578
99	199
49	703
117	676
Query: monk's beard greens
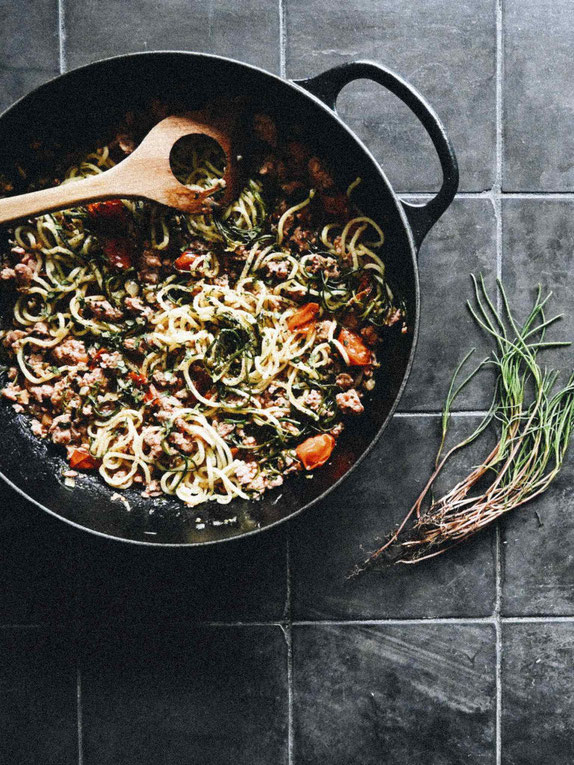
533	419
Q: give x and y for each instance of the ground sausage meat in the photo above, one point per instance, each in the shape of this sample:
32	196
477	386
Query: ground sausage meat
349	402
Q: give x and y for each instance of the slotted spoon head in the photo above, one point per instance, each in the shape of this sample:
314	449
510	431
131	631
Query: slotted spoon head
148	171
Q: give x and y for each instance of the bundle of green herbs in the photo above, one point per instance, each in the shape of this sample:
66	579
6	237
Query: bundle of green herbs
532	417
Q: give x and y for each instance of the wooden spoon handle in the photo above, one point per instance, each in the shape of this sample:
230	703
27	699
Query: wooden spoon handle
93	188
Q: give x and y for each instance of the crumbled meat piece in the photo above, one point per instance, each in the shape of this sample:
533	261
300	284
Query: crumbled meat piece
297	158
370	336
38	429
93	377
303	239
61	429
349	402
224	428
394	317
12	338
103	309
168	407
166	379
344	381
150	264
111	360
126	143
70	351
337	430
320	177
265	129
279	269
328	266
312	400
7	273
41	393
14	392
323	329
221	281
273	168
24	274
136	306
153	489
336	205
151	440
245	472
181	442
291	187
41	328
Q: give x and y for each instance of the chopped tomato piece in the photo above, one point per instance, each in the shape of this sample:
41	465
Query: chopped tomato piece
234	451
151	395
119	253
303	317
83	460
113	211
315	451
186	260
137	378
358	353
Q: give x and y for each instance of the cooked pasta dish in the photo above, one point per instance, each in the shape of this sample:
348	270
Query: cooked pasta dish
201	356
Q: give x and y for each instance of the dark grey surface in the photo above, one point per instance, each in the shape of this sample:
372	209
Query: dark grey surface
185	695
261	651
400	694
538	702
539	69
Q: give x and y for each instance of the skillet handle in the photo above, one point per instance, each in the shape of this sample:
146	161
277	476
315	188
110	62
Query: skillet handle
329	84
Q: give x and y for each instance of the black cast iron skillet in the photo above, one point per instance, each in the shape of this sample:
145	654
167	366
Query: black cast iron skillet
85	104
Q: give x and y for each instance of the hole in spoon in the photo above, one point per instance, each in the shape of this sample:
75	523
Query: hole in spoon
197	161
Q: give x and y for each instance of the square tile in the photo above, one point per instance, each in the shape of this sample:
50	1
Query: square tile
37	569
243	580
537	700
207	695
538	565
100	28
538	96
446	50
30	47
461	243
407	694
537	249
38	716
328	540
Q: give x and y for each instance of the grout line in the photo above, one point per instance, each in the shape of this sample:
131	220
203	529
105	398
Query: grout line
489	194
497	201
289	638
79	714
282	39
536	619
462	413
393	622
62	37
565	195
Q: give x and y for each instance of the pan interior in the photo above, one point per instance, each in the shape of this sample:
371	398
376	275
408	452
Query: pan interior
80	110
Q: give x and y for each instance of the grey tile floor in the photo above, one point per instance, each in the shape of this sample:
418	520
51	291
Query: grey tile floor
264	653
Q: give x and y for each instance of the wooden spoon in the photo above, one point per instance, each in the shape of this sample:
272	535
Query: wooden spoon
143	174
